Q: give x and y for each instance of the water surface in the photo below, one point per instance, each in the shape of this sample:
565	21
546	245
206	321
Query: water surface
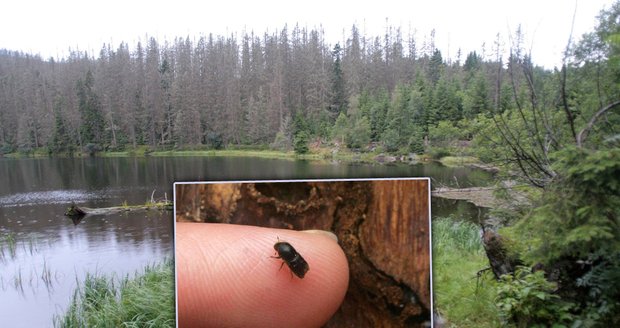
43	254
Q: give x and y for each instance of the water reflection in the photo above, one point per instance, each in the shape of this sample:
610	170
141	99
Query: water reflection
45	267
457	209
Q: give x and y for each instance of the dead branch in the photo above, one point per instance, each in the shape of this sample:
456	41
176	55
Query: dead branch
584	132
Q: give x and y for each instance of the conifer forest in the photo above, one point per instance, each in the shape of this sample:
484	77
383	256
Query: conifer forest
554	130
396	90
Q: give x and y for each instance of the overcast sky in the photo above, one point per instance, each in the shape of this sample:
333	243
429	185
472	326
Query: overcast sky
51	27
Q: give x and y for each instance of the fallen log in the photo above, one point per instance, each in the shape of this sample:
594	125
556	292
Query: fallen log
483	196
80	211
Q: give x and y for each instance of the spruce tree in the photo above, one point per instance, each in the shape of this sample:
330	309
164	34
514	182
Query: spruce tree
92	127
60	142
339	97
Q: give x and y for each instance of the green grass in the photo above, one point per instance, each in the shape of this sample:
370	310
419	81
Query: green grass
8	242
146	300
458	160
237	153
458	255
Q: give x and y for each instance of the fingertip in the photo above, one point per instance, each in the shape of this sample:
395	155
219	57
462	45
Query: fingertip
325	233
233	274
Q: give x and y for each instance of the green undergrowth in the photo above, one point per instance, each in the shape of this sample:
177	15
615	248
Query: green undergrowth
458	160
145	300
460	297
228	152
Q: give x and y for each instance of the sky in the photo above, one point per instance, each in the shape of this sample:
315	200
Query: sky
51	27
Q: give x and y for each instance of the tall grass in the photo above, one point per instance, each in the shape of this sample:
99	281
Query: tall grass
146	300
8	241
11	244
458	255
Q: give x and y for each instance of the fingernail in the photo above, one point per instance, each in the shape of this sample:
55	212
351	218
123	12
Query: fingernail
324	233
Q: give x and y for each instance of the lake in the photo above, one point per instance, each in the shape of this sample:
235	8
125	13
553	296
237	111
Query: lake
43	254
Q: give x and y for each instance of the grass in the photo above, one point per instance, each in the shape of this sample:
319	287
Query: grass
236	153
458	160
146	300
321	153
46	274
458	255
9	243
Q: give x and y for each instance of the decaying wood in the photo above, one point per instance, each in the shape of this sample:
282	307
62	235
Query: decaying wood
499	258
382	226
80	211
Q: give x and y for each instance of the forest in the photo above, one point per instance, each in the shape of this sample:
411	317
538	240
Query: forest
555	130
283	89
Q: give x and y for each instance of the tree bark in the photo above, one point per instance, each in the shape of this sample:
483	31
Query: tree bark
383	227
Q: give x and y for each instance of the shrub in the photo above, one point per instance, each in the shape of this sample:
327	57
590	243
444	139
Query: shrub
300	142
92	149
281	142
215	140
390	140
527	299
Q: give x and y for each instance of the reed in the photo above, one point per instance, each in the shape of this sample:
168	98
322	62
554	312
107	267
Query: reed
10	242
145	300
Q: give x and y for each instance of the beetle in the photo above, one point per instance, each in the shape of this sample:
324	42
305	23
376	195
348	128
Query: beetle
293	260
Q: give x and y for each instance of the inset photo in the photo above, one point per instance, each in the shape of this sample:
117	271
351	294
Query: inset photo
303	253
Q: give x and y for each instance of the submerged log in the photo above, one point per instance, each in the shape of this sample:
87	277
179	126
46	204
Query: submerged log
75	211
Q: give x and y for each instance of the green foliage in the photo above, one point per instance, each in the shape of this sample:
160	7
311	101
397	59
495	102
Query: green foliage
603	285
6	149
146	300
435	67
339	131
444	134
603	41
378	113
416	141
243	96
476	98
61	141
398	118
215	140
92	149
580	213
473	62
339	97
359	136
458	256
301	134
391	140
527	299
574	229
92	127
300	142
281	142
438	152
447	102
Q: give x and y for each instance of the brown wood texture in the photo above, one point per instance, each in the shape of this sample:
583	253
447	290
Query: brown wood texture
382	226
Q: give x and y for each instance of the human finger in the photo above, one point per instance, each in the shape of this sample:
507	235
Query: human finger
227	277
